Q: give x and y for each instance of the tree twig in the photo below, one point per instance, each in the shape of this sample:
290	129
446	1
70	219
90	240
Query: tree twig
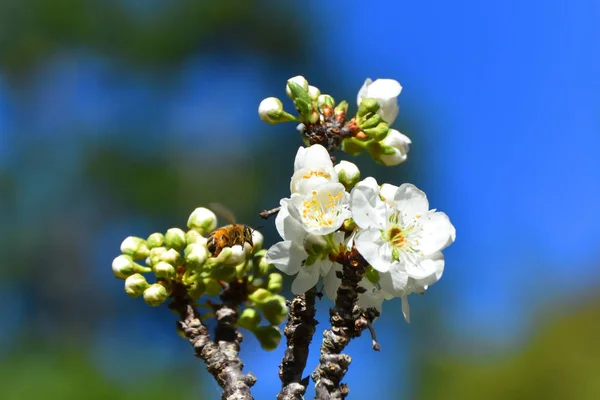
265	214
347	322
221	355
299	332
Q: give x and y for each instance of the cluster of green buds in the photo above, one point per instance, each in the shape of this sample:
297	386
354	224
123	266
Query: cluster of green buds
153	267
323	122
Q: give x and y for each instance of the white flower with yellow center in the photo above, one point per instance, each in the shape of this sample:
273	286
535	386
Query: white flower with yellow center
400	237
324	209
312	168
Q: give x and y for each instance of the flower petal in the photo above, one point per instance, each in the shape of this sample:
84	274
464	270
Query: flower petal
331	282
411	201
371	246
286	256
435	264
405	308
308	276
313	157
288	225
362	92
367	208
387	193
395	281
437	233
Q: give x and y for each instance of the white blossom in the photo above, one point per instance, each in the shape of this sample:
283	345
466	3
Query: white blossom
401	238
399	143
312	168
323	210
386	92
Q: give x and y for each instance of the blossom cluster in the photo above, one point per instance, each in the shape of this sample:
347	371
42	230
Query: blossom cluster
330	211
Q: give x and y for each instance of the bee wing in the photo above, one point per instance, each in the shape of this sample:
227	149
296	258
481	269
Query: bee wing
222	211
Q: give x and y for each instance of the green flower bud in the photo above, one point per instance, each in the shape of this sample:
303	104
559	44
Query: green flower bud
379	132
175	238
313	116
155	294
164	270
325	100
123	266
348	174
170	256
260	296
296	87
203	220
135	247
371	122
225	272
262	267
275	282
249	319
193	236
313	92
270	110
135	285
275	310
268	336
367	106
195	255
341	109
213	288
154	256
155	240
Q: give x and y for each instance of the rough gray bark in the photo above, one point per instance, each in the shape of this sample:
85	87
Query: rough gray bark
299	331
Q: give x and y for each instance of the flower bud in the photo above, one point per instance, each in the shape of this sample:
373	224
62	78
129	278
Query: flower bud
263	267
341	109
299	81
348	174
325	100
175	238
395	148
313	92
238	253
268	336
249	319
155	254
275	310
135	285
385	92
379	132
135	247
170	256
155	294
260	296
155	240
194	237
202	219
123	266
275	282
164	270
270	110
367	106
257	240
195	254
371	122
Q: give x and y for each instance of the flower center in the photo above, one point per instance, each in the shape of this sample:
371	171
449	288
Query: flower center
316	173
317	213
396	237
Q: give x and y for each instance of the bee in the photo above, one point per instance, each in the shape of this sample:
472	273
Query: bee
228	235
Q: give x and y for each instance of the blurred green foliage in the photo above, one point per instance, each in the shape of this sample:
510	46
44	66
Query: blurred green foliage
560	361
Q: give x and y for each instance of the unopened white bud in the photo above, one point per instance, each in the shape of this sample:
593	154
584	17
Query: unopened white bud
193	236
135	247
164	270
238	254
155	294
170	256
348	174
123	266
135	285
175	238
313	92
155	240
325	99
399	143
257	240
195	254
270	110
300	80
202	219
